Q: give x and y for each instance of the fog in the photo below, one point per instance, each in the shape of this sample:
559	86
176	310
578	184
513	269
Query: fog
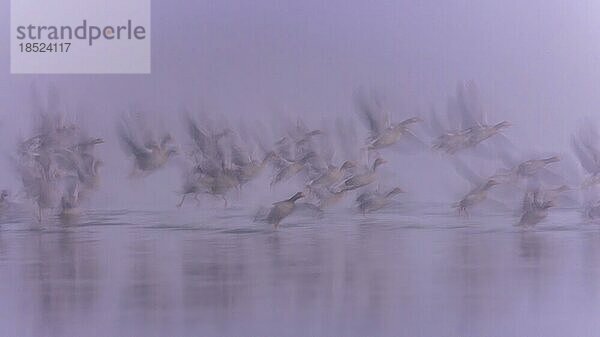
133	263
536	65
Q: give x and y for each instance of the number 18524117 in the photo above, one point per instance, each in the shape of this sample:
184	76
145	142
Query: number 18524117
42	47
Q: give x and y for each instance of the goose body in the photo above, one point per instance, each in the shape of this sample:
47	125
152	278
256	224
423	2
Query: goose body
532	167
392	134
330	177
364	179
535	209
474	197
373	201
282	209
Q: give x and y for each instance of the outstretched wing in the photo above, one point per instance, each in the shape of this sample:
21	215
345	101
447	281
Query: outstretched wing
128	142
464	171
586	158
371	113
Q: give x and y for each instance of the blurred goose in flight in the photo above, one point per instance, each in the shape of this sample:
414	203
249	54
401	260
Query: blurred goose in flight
328	197
282	209
287	169
586	146
480	186
382	133
57	165
532	167
452	142
481	132
391	134
79	163
474	197
297	142
535	208
302	136
148	156
220	184
252	169
532	170
373	201
40	186
330	176
363	179
220	162
469	128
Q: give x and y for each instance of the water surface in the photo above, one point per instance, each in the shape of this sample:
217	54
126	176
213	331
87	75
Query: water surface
216	273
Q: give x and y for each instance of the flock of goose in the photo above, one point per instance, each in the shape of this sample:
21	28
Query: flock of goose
59	168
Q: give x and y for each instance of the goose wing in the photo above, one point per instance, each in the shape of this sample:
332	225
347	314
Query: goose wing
371	114
586	158
130	145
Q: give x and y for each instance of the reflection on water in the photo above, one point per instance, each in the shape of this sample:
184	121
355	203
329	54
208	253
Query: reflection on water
192	274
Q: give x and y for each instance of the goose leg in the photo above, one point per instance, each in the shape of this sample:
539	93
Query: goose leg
182	200
224	199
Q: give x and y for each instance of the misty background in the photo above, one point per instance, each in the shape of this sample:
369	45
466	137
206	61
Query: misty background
537	65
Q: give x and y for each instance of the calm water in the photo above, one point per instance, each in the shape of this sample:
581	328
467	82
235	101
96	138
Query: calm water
194	273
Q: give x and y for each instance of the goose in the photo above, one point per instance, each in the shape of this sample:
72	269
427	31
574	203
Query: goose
332	175
289	169
382	133
585	145
220	184
148	152
363	179
527	169
328	197
149	157
392	134
535	208
479	133
452	142
474	197
252	169
466	127
86	146
282	209
373	201
40	186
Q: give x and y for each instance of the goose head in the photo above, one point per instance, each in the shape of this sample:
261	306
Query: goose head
96	141
411	120
490	183
166	139
171	152
378	162
552	159
347	165
501	125
394	192
296	196
547	204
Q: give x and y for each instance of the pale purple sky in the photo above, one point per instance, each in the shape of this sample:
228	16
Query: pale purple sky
537	64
